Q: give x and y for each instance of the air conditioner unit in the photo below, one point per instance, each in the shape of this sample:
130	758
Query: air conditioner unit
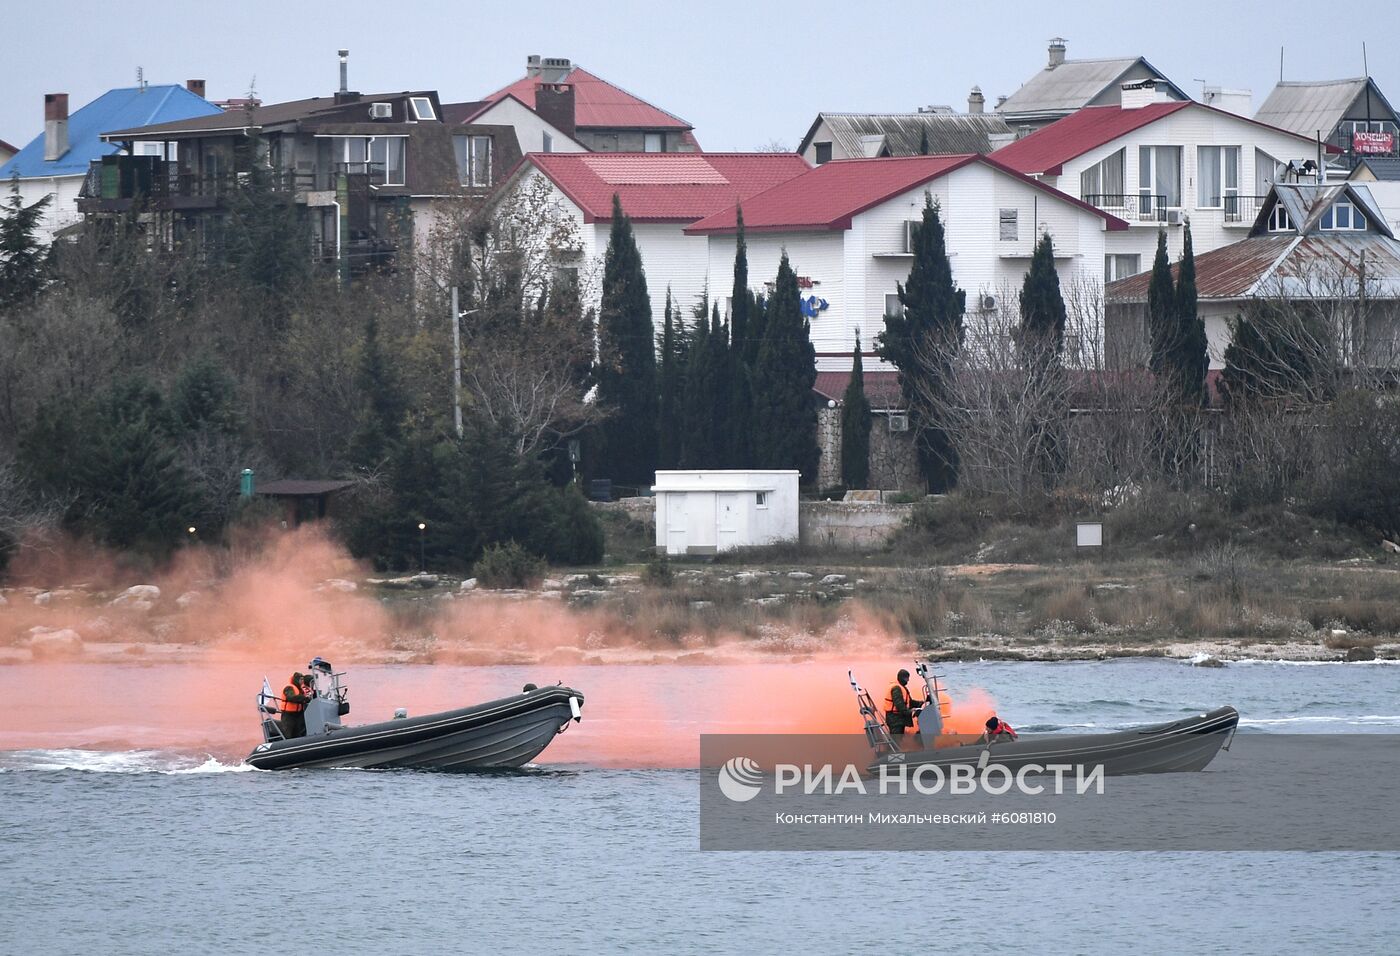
911	226
379	111
987	302
899	421
1174	217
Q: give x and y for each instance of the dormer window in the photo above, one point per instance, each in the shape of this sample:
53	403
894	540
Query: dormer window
422	108
1279	220
1343	217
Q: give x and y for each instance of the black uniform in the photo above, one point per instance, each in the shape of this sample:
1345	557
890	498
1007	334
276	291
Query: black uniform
294	721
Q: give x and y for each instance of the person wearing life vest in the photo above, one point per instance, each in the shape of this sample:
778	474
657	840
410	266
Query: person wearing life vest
998	730
294	700
900	704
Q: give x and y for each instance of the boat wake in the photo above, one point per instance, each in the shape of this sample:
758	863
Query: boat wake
122	762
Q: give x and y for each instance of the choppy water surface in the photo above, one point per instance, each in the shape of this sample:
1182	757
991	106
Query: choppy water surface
113	847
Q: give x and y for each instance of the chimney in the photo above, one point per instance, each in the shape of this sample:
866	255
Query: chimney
196	87
55	125
1137	95
532	65
554	102
1001	101
976	102
1057	52
344	94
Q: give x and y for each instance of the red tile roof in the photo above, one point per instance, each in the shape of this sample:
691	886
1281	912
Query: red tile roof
827	197
664	187
1049	147
598	104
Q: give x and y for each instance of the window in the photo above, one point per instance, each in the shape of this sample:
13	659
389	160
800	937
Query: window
822	153
386	159
1007	220
422	107
654	143
911	229
1265	172
546	143
761	498
893	307
473	155
1159	179
1218	177
1279	220
1121	266
1102	184
1343	216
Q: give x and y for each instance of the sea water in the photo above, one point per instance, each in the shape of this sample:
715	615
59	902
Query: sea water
112	848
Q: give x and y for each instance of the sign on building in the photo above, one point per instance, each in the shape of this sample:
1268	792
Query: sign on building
1372	142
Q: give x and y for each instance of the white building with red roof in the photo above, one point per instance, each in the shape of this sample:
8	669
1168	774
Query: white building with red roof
1155	161
565	100
845	226
661	194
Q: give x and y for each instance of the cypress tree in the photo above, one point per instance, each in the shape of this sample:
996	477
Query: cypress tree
668	428
785	414
738	431
23	256
383	404
1040	347
1041	337
922	343
699	440
923	141
1193	350
855	427
627	358
1161	310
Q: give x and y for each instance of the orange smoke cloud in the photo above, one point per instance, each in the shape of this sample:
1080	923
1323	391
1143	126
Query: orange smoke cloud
227	618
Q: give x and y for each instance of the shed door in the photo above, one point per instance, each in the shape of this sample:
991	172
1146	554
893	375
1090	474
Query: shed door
727	522
676	522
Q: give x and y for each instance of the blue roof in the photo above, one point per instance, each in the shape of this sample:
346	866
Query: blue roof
113	110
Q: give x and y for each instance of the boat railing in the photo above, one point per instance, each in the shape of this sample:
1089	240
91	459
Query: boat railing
876	733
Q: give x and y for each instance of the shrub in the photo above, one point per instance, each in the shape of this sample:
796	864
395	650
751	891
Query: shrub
1362	486
508	565
658	571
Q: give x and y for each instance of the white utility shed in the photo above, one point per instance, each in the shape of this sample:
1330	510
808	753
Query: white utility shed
703	512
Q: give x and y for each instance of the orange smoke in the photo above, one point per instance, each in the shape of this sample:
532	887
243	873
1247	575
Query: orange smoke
224	619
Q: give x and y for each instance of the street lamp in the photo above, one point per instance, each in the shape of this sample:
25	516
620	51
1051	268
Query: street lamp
422	530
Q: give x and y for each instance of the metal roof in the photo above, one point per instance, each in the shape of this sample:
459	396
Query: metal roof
1324	265
263	116
664	187
948	133
1384	168
827	197
1045	150
598	104
1306	107
881	387
127	106
1074	84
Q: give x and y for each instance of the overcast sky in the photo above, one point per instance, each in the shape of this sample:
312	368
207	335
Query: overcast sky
744	72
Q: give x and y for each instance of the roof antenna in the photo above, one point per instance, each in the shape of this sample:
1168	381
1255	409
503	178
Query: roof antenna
141	79
1364	67
1280	63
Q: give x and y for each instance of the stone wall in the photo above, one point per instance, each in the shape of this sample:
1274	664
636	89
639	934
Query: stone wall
820	524
849	524
893	465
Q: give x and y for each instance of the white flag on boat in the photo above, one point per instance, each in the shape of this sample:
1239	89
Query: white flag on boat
266	698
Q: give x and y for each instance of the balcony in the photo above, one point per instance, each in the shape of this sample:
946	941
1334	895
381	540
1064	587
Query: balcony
117	183
1239	210
1134	207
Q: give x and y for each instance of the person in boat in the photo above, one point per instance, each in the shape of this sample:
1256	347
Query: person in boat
998	731
900	704
294	698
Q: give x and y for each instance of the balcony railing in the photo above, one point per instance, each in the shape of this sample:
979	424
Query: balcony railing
1240	209
152	179
1143	207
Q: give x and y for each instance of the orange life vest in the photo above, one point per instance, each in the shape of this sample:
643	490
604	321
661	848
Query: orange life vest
290	707
889	697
